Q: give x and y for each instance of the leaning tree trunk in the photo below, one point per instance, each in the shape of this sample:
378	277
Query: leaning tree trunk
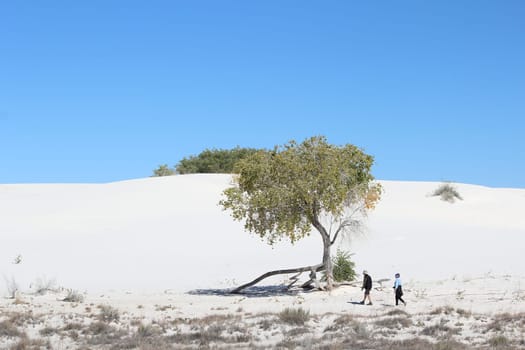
326	265
315	268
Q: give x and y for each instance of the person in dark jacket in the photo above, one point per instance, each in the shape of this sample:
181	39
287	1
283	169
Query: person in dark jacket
398	290
367	286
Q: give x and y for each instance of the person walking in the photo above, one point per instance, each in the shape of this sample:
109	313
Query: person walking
398	289
367	286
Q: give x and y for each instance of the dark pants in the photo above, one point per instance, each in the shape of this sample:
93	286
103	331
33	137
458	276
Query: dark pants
399	294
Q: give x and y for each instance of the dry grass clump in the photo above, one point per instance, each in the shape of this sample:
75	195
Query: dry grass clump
447	193
421	344
394	322
297	316
74	296
101	333
21	318
43	285
9	329
505	320
447	310
463	313
397	312
48	331
108	313
440	329
346	325
30	344
499	342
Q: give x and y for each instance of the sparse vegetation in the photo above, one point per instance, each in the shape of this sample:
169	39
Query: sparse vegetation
498	341
163	170
108	314
344	267
74	296
440	329
297	316
9	329
447	192
42	285
11	286
394	322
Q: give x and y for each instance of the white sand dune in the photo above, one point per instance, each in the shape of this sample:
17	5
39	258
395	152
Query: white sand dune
169	233
142	245
145	247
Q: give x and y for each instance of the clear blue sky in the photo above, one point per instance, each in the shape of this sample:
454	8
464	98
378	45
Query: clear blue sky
100	91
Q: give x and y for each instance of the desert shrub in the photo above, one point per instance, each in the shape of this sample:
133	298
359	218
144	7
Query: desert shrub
108	313
21	318
9	329
11	286
99	327
447	310
498	341
74	296
397	312
394	322
163	170
447	193
463	312
294	332
440	329
343	267
343	320
294	316
74	326
48	331
265	324
30	344
421	344
147	330
43	285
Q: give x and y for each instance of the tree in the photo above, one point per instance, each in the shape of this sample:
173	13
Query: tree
163	170
287	191
213	161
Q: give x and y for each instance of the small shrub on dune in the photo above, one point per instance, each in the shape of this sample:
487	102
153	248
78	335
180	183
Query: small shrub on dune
43	285
108	314
73	296
447	193
12	287
297	316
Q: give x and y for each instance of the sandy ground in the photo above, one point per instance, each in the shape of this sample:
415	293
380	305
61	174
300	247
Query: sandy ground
477	312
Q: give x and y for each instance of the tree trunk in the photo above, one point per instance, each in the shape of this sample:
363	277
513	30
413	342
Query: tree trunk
315	268
327	259
327	262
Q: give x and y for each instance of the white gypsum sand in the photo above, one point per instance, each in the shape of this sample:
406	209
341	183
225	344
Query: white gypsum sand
158	249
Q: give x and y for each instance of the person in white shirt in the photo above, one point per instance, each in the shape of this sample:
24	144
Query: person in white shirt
398	289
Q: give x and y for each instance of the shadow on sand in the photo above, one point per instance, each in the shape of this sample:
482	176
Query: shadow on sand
251	292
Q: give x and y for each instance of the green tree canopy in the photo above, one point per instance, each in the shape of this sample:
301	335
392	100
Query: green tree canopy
287	191
213	161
